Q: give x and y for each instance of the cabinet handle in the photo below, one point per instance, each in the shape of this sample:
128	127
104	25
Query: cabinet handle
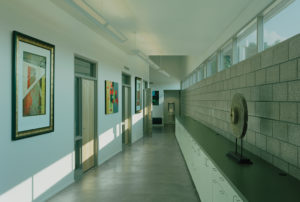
222	192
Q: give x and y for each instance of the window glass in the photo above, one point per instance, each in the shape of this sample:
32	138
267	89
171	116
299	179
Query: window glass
204	70
226	57
201	73
125	79
283	25
212	66
85	68
194	78
191	80
246	42
247	46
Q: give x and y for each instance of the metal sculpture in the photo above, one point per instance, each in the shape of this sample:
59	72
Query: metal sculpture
239	123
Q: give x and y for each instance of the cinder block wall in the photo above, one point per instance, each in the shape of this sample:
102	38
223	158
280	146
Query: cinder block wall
270	82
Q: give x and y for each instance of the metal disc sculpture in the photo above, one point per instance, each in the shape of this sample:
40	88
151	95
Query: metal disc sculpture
239	123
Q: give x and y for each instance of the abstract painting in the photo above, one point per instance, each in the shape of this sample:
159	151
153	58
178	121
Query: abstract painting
155	97
33	86
111	97
138	95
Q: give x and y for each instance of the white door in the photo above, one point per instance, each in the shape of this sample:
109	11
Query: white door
88	124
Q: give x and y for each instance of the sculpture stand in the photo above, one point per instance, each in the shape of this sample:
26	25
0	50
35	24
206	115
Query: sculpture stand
238	157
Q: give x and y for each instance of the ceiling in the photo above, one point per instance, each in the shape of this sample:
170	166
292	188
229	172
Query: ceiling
169	27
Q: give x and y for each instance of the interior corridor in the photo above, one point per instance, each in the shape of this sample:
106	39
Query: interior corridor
152	169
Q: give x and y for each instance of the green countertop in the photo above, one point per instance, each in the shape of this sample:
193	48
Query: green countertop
257	182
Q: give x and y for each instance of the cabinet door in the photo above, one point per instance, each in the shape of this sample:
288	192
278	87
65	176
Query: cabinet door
218	193
199	171
207	182
227	191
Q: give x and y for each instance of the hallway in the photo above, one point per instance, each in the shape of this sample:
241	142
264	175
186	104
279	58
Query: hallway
152	169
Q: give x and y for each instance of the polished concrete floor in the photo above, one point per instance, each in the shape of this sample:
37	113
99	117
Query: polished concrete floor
150	170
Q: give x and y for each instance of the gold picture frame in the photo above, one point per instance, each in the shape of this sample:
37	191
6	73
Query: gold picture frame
138	95
32	86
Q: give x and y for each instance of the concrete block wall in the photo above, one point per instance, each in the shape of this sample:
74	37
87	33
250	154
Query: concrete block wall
270	82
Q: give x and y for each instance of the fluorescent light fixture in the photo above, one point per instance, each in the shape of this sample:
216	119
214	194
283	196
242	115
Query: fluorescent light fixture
142	55
164	73
116	33
98	19
154	66
146	59
89	10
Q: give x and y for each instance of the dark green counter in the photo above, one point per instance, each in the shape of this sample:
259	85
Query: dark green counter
259	182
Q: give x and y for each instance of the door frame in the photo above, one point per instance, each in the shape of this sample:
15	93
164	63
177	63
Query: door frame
78	172
144	105
130	103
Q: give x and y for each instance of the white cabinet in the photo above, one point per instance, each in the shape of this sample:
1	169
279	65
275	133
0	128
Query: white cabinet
211	185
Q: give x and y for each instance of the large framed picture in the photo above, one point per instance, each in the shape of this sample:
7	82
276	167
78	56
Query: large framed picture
111	97
33	87
138	95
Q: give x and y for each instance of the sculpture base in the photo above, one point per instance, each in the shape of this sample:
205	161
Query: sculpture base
238	158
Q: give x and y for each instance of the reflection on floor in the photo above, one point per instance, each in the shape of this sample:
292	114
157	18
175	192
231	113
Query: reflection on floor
151	170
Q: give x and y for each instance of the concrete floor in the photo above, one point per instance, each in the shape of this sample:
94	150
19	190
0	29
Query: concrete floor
150	170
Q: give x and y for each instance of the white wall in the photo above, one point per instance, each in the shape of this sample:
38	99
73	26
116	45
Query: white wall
37	167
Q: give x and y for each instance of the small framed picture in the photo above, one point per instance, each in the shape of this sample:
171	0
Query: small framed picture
33	87
138	95
111	97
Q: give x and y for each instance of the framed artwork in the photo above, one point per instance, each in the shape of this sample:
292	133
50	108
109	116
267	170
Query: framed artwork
155	97
138	95
111	97
32	87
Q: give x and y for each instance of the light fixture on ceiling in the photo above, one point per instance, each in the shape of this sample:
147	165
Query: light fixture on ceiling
117	33
164	73
98	19
146	59
89	10
154	66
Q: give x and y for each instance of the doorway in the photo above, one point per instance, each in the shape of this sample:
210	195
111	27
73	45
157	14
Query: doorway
171	106
147	111
126	109
85	116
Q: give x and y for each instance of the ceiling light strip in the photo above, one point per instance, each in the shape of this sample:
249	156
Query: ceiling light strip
99	19
164	73
89	10
146	59
116	32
